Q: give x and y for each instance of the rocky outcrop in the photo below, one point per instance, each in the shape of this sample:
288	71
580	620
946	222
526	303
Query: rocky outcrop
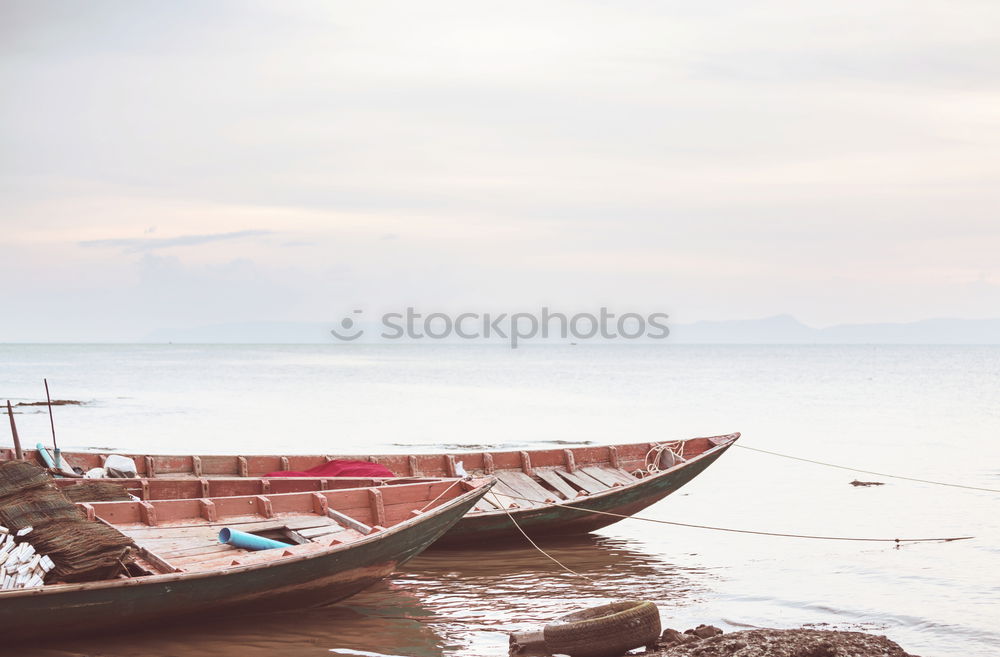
709	641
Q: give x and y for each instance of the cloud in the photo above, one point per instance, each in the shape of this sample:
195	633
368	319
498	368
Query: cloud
143	244
726	158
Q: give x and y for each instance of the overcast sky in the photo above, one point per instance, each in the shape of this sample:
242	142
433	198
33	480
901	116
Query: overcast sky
188	163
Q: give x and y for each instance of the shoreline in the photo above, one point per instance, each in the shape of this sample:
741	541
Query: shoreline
710	641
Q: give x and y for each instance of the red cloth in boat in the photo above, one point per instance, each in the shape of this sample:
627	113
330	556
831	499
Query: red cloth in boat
338	468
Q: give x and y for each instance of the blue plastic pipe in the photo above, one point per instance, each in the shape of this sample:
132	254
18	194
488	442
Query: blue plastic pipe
44	453
248	541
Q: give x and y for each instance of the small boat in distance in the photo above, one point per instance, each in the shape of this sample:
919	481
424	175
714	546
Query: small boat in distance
338	543
546	491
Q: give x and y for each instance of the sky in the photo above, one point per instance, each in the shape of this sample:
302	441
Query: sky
169	165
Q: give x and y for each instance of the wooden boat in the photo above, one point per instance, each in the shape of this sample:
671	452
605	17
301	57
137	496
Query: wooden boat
546	491
342	541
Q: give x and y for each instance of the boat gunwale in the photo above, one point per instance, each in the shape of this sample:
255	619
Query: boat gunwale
68	454
403	525
383	483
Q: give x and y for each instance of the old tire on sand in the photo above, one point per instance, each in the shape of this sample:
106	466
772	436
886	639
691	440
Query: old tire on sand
605	631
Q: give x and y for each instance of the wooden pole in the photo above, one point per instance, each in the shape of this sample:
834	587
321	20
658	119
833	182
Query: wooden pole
52	423
18	454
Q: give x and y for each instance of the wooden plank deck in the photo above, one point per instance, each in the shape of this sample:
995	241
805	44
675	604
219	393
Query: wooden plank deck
552	479
195	547
508	497
527	487
484	505
583	481
625	476
601	475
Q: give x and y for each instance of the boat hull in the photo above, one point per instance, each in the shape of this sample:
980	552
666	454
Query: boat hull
566	520
317	580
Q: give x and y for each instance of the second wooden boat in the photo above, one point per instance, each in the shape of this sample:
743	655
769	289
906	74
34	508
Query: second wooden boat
546	491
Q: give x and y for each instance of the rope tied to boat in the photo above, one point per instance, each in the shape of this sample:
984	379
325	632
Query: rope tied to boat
675	448
896	541
877	474
444	492
535	545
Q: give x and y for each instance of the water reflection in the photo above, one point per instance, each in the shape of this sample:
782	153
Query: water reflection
393	627
478	596
446	602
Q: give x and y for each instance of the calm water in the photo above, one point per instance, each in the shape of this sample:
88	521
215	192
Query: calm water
931	412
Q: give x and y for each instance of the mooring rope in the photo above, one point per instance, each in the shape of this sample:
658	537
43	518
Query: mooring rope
877	474
535	545
676	448
737	531
455	483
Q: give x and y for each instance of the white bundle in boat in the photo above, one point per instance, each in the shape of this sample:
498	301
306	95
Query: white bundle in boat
20	566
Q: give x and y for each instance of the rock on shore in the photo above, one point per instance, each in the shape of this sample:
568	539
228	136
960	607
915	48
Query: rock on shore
708	641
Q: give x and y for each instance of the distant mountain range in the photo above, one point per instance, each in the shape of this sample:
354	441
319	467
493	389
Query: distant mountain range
780	329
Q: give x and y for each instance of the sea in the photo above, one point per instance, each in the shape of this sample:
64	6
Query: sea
926	412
